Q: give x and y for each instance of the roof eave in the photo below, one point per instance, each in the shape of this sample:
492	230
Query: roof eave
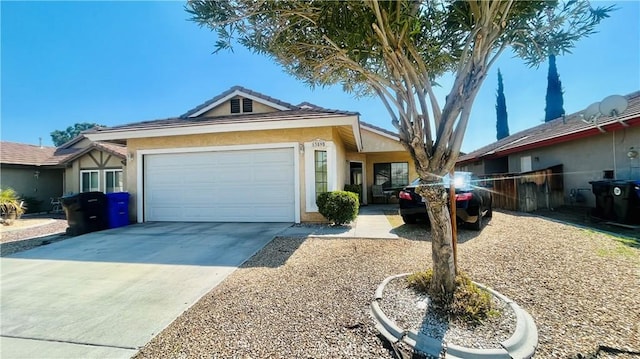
124	134
561	138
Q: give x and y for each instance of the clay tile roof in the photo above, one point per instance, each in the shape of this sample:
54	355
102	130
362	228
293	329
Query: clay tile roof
24	154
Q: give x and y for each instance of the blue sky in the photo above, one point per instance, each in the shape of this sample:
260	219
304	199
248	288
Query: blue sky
120	62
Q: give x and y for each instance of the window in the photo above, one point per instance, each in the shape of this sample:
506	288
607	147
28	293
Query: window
89	181
391	175
525	164
247	105
321	172
235	105
113	181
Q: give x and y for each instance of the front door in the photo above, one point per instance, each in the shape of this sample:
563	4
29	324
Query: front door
356	177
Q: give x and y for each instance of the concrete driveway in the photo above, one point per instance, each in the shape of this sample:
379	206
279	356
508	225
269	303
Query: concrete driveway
106	294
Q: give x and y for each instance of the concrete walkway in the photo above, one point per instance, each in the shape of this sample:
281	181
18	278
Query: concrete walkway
371	223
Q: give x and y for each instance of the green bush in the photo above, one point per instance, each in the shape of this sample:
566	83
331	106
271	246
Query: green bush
339	207
11	206
354	188
470	303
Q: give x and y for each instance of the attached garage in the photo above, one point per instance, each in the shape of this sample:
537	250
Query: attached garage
240	185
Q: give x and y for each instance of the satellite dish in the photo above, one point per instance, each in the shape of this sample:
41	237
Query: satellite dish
613	105
592	112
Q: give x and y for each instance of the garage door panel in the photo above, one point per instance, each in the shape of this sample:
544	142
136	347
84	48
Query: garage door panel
239	186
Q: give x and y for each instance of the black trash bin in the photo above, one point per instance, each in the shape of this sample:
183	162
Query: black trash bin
625	201
604	199
86	212
118	209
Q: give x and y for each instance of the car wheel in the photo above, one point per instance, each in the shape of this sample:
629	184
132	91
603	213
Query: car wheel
490	210
477	225
409	219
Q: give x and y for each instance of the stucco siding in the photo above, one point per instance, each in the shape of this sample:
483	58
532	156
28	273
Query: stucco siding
373	142
232	139
585	160
47	184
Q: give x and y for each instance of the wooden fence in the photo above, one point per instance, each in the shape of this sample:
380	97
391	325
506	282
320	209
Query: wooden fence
527	192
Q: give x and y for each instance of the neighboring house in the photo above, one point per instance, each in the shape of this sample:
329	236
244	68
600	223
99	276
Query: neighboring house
26	169
564	155
247	157
80	165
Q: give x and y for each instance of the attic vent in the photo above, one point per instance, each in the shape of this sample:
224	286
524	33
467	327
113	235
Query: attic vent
235	105
247	105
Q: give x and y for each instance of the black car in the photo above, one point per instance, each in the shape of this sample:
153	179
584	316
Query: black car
473	201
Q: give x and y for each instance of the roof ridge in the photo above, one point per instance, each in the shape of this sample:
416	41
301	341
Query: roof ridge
233	89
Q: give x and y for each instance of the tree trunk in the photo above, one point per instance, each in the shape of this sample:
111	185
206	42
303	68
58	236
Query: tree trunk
443	281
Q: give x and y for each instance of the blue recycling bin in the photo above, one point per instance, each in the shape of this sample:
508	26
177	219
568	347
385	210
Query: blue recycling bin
117	209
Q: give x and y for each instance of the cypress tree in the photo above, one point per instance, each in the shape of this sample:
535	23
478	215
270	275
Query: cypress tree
502	126
555	101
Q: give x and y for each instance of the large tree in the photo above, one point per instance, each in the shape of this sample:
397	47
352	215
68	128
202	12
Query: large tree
502	123
60	137
559	28
395	50
554	101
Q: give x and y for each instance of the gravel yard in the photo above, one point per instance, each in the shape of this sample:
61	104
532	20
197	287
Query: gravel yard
32	231
309	298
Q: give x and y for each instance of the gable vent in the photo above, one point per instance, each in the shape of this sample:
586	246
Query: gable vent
247	105
235	105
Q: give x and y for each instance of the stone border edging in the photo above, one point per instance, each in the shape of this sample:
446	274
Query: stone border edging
521	344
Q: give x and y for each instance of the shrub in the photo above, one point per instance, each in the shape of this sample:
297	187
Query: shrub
354	188
339	207
470	303
11	206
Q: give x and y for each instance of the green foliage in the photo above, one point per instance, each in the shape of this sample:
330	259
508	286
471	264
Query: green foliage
397	50
502	124
339	207
60	137
354	188
470	303
11	205
554	98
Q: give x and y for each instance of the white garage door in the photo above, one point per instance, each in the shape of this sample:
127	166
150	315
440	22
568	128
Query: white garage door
224	186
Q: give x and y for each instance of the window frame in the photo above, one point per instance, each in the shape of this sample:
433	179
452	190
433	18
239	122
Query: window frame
113	170
390	166
322	172
82	173
309	150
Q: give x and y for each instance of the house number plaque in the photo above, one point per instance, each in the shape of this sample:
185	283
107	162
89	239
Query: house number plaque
318	144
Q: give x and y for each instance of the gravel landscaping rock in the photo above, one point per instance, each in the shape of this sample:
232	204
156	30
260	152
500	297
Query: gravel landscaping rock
309	298
32	231
413	311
